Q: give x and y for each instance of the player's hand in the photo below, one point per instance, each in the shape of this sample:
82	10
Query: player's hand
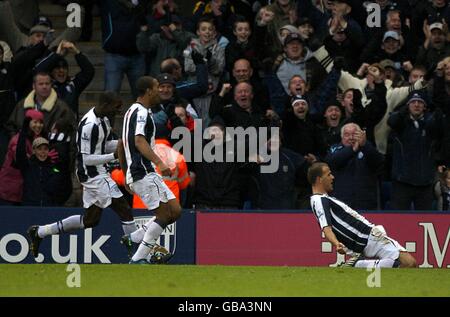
164	169
340	248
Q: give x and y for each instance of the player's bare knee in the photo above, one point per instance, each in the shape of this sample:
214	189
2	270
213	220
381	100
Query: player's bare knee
408	261
175	212
412	263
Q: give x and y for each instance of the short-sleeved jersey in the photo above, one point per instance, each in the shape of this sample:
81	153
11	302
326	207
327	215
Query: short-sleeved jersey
350	228
92	135
137	121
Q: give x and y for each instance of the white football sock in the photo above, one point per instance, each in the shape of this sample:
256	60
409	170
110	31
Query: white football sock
67	225
153	232
129	226
138	235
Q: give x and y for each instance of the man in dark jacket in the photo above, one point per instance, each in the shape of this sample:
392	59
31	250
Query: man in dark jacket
277	190
300	131
414	130
42	98
241	112
243	72
356	164
68	88
121	22
217	184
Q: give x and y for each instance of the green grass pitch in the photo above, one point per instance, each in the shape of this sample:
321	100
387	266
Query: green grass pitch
212	281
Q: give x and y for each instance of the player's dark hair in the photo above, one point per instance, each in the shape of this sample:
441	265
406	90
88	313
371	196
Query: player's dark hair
108	97
144	83
315	170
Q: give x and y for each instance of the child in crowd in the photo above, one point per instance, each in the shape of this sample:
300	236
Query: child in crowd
12	181
41	179
206	44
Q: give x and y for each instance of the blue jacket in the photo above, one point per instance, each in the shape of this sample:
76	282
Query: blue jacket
412	161
356	174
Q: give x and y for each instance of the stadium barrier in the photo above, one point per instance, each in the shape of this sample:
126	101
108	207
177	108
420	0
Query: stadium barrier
97	245
221	237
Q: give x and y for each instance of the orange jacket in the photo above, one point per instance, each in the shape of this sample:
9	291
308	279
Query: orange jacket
174	160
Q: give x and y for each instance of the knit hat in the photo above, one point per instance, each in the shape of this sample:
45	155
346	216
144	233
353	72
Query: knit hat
298	98
415	96
43	20
39	141
166	78
34	114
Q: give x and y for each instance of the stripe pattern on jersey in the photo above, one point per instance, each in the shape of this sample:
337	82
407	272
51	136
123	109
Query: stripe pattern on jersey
92	134
137	121
350	228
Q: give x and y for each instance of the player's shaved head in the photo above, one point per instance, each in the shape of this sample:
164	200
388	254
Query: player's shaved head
108	97
144	83
316	170
109	104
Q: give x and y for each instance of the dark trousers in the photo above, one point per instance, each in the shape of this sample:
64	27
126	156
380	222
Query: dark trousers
403	195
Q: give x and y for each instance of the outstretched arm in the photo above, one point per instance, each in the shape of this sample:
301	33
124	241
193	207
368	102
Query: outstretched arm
331	237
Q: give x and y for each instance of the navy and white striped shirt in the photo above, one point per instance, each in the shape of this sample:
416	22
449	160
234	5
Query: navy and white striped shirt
92	140
350	228
137	121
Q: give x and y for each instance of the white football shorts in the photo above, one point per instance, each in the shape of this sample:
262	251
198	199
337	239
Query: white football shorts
152	190
99	191
380	246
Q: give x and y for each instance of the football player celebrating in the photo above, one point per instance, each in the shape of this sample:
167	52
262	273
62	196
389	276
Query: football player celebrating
95	149
350	232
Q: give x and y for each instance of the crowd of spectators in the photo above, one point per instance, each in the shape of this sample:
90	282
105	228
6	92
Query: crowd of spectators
373	101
